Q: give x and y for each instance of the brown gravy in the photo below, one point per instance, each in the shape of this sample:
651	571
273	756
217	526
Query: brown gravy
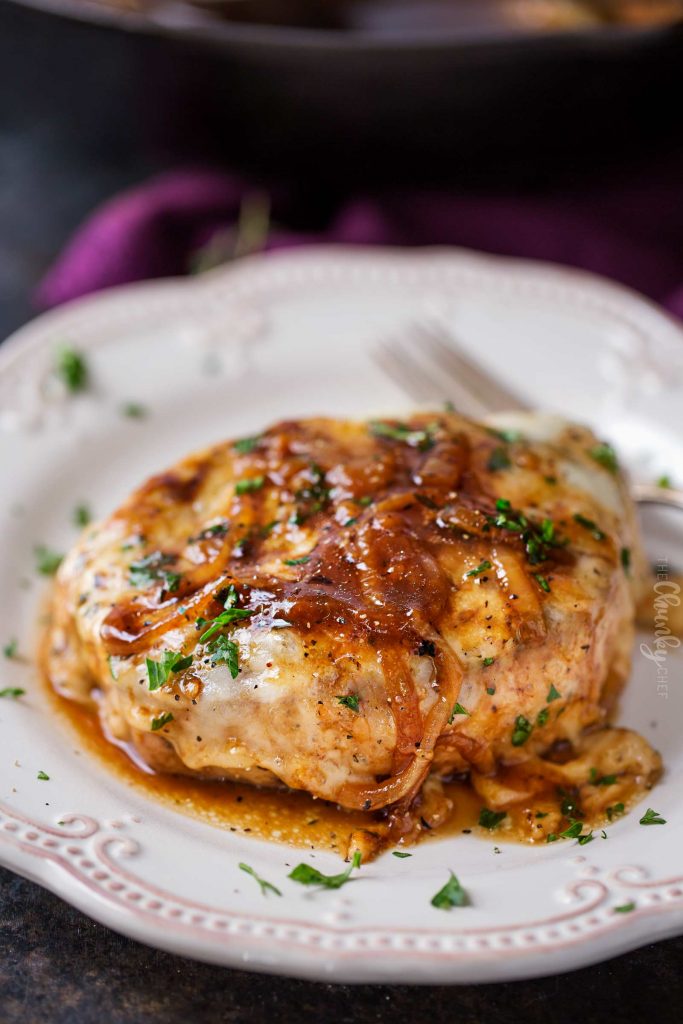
285	816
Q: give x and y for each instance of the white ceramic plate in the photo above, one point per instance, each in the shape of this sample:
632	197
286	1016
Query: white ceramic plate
287	335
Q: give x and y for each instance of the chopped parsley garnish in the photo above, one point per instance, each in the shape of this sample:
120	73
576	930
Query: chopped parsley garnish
265	887
425	500
365	501
664	482
553	694
152	569
314	496
509	436
541	814
615	811
72	369
486	662
400	854
588	837
10	649
249	484
81	515
574	830
307	875
542	716
498	459
297	561
490	690
606	456
490	819
652	818
458	709
542	582
245	445
222	649
625	908
452	895
47	562
521	732
422	439
350	701
133	410
43	776
215	530
551	837
159	671
588	524
12	692
226	618
626	560
601	780
538	538
352	521
482	567
161	721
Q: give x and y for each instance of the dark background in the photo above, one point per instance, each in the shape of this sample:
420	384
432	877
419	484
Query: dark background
85	112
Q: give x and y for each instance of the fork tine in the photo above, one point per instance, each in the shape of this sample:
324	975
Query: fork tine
400	366
489	393
422	380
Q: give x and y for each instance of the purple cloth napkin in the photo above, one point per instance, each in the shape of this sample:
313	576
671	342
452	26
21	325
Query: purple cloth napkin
631	230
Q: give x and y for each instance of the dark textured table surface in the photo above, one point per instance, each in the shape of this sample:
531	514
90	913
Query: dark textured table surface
57	966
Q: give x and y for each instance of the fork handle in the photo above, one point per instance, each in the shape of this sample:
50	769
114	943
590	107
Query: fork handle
651	494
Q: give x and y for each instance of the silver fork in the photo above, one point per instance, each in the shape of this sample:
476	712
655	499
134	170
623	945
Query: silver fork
429	366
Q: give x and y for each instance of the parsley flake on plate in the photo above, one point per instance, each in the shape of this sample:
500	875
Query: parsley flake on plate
308	875
72	369
265	887
625	908
451	895
553	694
43	776
10	649
12	692
400	854
133	410
47	561
652	818
81	515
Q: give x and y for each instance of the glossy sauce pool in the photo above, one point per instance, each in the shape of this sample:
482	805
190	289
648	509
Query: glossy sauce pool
284	816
